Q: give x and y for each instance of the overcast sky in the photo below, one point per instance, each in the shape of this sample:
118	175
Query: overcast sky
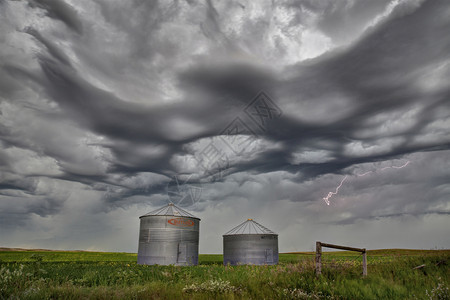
321	120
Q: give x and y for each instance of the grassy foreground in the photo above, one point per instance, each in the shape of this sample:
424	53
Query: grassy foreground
102	275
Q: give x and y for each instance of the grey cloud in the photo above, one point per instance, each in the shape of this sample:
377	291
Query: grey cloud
102	114
61	11
52	49
114	112
344	22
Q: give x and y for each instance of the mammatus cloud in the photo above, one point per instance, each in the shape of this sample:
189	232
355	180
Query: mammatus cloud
104	104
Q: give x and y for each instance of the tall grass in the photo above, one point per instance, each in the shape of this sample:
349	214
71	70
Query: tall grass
42	275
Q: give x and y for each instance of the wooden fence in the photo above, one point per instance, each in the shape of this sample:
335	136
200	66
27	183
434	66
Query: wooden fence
319	246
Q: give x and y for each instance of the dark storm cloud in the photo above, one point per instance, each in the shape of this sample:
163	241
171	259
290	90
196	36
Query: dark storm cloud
51	48
61	11
132	125
379	74
342	22
110	114
107	115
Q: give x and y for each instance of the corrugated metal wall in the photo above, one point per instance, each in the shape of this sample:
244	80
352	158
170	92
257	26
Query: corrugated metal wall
257	249
166	240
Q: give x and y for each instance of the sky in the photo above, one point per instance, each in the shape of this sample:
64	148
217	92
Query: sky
321	120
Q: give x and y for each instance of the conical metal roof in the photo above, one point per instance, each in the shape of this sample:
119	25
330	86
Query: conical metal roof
170	210
249	227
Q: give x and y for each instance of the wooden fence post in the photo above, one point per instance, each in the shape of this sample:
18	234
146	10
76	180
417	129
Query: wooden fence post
319	246
318	258
364	262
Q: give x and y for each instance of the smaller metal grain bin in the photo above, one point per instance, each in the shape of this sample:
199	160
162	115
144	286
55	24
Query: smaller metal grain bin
168	236
250	243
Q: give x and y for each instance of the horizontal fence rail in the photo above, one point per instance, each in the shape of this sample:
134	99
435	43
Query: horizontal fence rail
319	246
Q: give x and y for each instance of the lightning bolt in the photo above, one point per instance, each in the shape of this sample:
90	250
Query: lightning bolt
331	194
401	167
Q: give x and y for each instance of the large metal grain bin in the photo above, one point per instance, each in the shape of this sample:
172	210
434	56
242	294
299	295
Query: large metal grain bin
168	236
250	243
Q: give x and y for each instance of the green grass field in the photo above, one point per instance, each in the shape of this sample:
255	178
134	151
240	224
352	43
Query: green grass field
107	275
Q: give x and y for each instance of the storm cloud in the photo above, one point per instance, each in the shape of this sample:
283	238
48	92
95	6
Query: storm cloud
232	110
